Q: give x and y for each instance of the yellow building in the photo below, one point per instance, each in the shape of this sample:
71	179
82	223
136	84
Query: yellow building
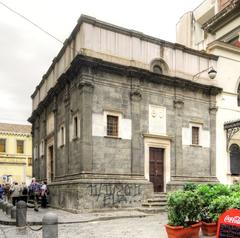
15	153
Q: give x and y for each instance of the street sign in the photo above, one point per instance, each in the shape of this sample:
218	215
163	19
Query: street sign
229	224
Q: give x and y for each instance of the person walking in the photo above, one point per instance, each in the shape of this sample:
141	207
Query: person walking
1	191
44	193
34	189
15	193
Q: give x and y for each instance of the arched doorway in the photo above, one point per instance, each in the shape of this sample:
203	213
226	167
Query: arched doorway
234	159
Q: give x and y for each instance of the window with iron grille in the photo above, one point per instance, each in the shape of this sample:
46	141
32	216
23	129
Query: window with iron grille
2	145
20	146
112	125
195	135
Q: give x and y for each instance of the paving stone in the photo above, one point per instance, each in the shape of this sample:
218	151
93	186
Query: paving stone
111	224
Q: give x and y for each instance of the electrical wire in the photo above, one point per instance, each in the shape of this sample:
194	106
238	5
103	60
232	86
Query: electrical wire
31	22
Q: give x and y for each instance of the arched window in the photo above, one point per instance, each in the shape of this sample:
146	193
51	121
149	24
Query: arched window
238	92
235	159
159	66
157	69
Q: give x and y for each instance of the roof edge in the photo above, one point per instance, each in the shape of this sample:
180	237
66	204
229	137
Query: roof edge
108	26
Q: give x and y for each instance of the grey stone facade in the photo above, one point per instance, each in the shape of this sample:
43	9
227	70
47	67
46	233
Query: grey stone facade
92	172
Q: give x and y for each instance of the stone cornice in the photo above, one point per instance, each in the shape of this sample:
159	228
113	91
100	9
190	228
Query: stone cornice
164	137
81	61
223	17
224	46
121	30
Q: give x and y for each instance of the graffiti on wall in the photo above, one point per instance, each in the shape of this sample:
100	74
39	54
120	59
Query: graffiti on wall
114	194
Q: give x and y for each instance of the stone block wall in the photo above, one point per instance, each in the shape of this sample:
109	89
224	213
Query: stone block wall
93	194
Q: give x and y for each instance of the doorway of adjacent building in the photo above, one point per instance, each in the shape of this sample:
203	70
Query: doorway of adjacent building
156	168
50	161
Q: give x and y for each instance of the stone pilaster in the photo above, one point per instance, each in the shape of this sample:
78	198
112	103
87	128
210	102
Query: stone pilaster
44	159
137	159
86	87
37	166
177	168
66	124
212	115
55	109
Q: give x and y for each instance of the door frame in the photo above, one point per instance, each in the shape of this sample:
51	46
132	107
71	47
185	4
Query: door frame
157	159
48	167
163	142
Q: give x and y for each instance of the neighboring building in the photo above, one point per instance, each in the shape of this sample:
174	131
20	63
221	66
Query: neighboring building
15	153
118	117
214	27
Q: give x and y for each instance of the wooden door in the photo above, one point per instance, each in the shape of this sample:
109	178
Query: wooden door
156	168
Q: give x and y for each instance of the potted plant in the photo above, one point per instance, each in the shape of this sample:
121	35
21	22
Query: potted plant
207	193
220	205
183	215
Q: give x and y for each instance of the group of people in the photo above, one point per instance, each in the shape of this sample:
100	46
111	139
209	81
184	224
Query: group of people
35	191
38	191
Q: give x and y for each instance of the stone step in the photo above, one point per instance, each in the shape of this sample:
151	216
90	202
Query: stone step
155	204
153	200
151	210
160	193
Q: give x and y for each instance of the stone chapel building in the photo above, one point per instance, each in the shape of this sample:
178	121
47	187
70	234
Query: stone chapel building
118	117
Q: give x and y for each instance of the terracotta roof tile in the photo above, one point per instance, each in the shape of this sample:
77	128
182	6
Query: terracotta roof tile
17	128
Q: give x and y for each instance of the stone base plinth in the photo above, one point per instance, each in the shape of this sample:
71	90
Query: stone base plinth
93	194
177	182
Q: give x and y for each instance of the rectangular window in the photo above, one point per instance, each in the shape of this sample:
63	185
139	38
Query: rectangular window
195	135
62	135
42	148
20	146
112	125
76	127
2	145
50	123
29	161
35	152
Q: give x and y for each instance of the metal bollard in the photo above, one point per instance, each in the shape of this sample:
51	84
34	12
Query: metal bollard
9	208
4	206
50	225
13	212
21	214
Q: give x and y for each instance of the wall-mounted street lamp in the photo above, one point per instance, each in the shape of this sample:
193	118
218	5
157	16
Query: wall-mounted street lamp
211	73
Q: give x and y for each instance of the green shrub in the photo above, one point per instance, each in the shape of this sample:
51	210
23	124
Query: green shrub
235	200
235	187
183	208
207	193
219	205
190	187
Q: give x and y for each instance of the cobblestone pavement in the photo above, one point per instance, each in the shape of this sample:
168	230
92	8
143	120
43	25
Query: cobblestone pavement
144	227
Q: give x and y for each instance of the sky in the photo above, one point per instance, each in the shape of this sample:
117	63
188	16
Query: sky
26	52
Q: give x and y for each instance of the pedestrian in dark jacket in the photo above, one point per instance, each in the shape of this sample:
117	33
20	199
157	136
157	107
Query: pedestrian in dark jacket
1	191
44	193
34	188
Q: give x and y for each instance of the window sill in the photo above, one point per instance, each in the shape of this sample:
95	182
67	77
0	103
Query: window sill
75	139
199	146
233	175
113	137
